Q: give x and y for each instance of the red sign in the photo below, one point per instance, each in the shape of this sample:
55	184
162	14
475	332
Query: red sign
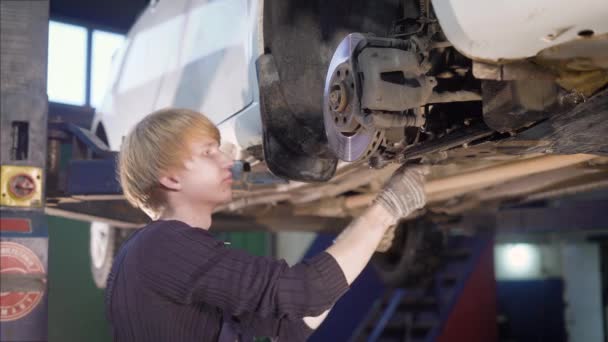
18	225
17	258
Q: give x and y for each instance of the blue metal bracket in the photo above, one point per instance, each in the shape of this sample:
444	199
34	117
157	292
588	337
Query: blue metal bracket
85	136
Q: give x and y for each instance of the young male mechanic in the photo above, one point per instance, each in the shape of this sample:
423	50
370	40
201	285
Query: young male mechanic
172	281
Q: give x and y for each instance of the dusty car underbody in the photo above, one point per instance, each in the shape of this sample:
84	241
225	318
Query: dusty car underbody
349	91
396	91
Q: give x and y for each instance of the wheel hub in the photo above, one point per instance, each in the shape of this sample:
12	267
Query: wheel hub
348	138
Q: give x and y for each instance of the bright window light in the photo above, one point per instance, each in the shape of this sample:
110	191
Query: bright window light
105	46
66	78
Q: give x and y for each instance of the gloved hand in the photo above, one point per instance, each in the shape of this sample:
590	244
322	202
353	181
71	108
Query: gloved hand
404	191
402	195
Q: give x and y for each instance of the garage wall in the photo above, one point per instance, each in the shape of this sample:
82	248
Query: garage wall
583	291
563	271
291	246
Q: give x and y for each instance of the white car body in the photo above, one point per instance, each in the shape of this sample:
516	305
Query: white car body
186	54
511	30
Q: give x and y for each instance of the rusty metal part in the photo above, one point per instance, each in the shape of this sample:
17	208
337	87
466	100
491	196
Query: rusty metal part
440	45
341	101
338	97
518	70
583	82
391	120
581	65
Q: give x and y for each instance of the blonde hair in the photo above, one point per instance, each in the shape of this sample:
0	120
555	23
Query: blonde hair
159	142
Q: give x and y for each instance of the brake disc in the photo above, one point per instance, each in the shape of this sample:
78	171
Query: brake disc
349	138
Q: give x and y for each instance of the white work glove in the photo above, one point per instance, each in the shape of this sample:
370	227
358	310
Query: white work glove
404	191
402	195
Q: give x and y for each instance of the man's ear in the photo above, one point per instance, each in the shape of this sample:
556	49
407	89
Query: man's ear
170	182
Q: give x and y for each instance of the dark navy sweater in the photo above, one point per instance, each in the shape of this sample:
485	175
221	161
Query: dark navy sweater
173	282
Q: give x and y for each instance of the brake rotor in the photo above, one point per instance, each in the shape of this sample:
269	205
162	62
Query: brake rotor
348	138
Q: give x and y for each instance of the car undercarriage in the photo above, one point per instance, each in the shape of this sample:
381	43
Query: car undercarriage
391	89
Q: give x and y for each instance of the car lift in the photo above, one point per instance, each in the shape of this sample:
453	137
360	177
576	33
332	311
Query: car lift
462	289
34	182
23	226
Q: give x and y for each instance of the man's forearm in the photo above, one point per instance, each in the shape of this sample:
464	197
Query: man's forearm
356	244
354	247
403	193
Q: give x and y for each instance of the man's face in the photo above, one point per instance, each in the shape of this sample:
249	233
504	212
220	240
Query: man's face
206	177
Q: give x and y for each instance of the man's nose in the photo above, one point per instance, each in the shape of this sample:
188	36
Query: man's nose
228	154
227	161
230	164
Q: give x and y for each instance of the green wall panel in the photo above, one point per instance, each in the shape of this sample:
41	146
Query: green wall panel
76	309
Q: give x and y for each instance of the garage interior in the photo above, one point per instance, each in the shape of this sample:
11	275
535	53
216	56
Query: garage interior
531	269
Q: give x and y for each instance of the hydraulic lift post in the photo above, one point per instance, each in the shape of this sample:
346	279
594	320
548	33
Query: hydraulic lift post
23	134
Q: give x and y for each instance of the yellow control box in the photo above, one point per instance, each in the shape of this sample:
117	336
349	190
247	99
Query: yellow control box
20	186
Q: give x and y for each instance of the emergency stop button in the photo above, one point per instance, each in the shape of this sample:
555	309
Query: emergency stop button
21	186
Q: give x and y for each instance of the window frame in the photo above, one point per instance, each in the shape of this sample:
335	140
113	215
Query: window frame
89	28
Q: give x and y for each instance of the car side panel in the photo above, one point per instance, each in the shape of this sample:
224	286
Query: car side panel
506	30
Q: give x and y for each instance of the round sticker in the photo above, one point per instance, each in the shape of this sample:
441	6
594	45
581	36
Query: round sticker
16	258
